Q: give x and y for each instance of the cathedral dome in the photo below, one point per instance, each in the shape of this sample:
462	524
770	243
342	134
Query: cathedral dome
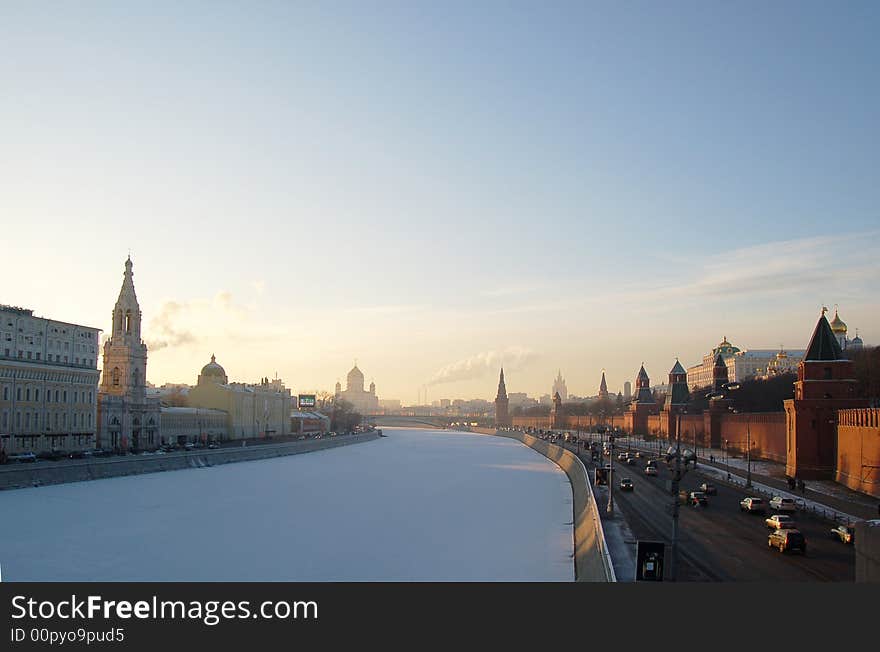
355	375
837	325
214	371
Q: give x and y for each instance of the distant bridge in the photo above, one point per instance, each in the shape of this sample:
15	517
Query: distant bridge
381	420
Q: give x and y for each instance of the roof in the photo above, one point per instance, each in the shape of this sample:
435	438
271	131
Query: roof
678	369
308	415
823	345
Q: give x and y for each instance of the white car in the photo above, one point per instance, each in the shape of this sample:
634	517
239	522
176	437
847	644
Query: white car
780	522
781	504
650	470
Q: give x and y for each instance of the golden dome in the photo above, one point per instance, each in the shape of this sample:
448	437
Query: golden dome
837	325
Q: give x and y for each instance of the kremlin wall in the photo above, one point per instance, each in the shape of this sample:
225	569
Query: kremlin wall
824	432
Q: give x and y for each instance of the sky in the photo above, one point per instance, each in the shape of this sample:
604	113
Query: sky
436	189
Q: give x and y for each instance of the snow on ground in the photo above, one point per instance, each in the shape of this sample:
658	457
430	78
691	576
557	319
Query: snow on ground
414	505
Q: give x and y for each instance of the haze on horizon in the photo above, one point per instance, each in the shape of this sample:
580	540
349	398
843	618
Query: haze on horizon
435	190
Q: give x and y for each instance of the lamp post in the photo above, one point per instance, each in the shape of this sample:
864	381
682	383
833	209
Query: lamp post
726	454
610	508
673	565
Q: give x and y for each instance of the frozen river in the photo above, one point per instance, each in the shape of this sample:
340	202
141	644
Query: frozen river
415	505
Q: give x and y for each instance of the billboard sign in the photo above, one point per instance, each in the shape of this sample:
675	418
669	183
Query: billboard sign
305	400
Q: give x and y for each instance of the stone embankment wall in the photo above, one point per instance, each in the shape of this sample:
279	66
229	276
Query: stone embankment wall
592	562
19	475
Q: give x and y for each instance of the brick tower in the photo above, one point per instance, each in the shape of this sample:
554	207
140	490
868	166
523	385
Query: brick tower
825	384
676	399
557	419
502	415
603	387
643	405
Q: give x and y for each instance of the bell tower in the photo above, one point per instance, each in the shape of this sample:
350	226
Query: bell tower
125	354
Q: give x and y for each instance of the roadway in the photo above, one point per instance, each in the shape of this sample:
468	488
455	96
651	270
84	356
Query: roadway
719	542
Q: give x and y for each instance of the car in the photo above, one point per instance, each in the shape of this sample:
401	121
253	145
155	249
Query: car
787	541
698	498
650	470
708	489
631	460
652	463
213	445
626	484
780	522
781	504
189	446
753	505
621	457
27	458
843	533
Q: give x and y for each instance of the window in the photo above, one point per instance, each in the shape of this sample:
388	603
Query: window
56	395
18	393
36	394
76	397
65	396
114	376
27	394
29	355
38	355
5	393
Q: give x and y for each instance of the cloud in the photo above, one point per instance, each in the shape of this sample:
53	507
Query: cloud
168	334
482	364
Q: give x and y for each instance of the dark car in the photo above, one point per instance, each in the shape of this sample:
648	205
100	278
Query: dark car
23	457
698	498
708	489
626	484
787	541
213	445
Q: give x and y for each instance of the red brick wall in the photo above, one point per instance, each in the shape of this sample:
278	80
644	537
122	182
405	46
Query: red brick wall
858	450
767	434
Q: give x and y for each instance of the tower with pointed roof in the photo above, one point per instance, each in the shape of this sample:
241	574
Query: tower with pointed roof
502	414
603	387
642	406
676	400
719	373
825	384
557	419
126	418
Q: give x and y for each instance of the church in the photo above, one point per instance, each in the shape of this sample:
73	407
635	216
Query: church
365	402
127	418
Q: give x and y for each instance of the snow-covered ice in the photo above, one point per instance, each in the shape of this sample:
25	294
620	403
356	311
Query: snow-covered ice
415	505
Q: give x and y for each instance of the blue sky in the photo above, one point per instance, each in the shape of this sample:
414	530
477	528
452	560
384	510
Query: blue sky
426	185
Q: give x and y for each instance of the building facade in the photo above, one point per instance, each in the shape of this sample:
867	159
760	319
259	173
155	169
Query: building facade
48	383
127	418
364	401
252	410
181	425
701	375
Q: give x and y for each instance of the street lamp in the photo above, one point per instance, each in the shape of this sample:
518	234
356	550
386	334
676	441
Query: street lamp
726	458
673	566
610	508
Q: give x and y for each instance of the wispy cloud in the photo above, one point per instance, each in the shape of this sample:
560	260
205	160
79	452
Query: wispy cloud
482	364
167	332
